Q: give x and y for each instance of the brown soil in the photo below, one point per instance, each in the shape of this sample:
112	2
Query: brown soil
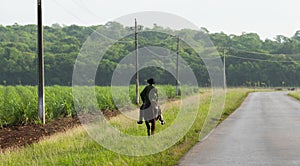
17	136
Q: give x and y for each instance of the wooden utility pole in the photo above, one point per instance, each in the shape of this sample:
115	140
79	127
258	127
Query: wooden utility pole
224	69
177	66
41	95
137	63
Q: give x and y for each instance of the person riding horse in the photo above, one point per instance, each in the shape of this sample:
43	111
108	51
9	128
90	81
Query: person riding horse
150	110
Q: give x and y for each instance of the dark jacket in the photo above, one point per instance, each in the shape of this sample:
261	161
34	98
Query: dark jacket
148	95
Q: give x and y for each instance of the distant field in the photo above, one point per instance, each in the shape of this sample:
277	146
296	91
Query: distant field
18	104
75	147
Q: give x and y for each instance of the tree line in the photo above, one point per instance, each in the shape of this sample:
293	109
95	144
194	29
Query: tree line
250	61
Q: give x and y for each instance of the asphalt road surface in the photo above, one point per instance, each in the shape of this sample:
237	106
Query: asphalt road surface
265	130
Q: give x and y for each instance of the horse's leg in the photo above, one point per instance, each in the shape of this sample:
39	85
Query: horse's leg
160	118
152	126
148	127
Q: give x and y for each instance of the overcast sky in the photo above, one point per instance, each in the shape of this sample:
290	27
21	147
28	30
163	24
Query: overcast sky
268	18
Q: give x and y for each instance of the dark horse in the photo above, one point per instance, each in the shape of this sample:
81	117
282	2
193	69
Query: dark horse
151	115
150	110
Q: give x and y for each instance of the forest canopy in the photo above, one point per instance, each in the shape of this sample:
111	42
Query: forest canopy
250	61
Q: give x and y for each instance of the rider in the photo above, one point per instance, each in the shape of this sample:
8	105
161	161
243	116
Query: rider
150	110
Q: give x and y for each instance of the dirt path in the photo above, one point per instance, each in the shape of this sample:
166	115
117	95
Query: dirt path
16	136
21	135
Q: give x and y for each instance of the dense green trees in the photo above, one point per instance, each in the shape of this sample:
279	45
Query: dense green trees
251	61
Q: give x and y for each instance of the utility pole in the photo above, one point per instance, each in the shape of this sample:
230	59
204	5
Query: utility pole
41	95
177	66
137	64
224	69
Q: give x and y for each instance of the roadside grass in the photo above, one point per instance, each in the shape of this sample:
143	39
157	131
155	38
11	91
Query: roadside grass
234	99
75	147
295	95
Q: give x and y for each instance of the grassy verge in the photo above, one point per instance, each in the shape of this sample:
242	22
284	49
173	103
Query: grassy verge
295	95
234	99
75	147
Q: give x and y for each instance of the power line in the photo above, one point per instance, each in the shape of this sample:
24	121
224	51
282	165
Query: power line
258	53
81	4
262	60
253	52
157	55
230	48
92	30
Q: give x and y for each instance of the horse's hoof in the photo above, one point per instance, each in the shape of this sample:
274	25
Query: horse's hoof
139	122
162	122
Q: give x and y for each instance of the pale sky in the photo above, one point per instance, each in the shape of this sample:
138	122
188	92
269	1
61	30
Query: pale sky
268	18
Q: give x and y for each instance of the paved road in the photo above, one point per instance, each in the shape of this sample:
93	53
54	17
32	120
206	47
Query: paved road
265	130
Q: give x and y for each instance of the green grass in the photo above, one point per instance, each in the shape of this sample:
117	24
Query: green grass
75	147
234	99
296	95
